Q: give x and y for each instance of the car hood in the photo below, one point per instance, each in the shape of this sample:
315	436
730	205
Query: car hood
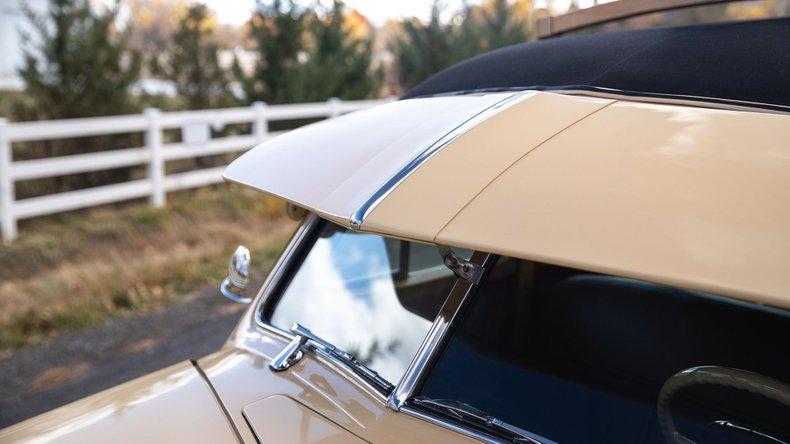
175	404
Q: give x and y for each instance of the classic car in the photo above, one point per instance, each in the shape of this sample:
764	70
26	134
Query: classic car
580	239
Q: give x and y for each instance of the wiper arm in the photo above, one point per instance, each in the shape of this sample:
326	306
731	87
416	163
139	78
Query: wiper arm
476	417
303	337
342	355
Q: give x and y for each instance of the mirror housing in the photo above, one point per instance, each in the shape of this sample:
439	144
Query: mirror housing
235	285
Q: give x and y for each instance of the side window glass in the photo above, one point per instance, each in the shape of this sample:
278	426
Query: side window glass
372	296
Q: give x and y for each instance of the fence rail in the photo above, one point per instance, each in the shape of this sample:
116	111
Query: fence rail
155	153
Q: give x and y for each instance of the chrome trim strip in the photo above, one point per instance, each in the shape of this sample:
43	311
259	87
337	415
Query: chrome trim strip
284	262
432	344
430	349
449	425
370	203
692	101
408	382
636	96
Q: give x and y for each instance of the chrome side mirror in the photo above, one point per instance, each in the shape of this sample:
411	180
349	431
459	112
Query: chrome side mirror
235	285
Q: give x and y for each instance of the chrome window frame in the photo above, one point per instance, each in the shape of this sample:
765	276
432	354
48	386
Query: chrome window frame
434	345
436	338
426	354
274	285
290	256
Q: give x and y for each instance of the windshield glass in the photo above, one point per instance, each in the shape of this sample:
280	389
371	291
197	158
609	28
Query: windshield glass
371	296
573	356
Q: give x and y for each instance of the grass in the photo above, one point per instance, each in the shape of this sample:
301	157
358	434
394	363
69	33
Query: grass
73	271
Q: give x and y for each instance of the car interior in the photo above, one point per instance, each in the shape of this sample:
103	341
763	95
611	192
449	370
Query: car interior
579	356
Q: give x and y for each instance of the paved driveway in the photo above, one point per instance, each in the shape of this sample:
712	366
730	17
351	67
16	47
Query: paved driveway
81	363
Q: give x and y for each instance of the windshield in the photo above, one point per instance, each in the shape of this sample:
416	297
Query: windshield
371	296
572	356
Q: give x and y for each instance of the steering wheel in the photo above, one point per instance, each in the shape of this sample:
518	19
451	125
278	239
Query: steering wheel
713	375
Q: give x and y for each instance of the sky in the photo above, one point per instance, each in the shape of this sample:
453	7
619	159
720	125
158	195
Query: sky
377	11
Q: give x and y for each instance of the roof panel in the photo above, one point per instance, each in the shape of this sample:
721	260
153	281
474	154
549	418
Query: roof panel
678	195
333	167
690	197
429	198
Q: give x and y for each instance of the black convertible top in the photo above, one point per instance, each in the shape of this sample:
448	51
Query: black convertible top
744	63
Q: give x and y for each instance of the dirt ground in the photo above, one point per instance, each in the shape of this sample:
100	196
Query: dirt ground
79	363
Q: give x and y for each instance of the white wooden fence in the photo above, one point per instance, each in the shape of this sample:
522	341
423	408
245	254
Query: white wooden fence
155	153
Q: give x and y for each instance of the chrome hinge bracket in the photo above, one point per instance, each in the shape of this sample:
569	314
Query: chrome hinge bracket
464	269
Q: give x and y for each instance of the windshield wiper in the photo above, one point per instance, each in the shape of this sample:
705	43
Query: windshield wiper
475	417
303	337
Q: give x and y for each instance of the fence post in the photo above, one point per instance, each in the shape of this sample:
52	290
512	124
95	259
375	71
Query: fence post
7	217
260	126
334	107
156	161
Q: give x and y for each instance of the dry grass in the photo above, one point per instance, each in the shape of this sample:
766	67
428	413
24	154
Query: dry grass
74	271
57	375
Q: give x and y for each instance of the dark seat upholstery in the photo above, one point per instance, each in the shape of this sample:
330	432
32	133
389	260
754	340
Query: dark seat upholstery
641	333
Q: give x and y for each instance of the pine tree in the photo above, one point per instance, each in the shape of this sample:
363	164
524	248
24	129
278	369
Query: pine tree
80	65
501	26
276	30
467	38
193	62
338	63
424	49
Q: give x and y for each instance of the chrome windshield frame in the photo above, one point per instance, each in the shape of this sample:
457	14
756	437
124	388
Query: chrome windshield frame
417	371
273	286
291	256
437	336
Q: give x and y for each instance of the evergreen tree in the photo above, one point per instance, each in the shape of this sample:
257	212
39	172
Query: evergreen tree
193	62
467	38
338	63
501	26
424	48
276	30
80	65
